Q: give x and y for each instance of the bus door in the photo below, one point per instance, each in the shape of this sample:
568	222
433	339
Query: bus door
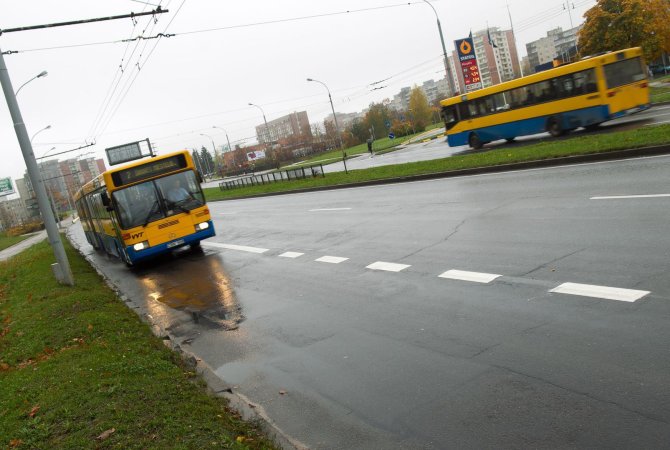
623	88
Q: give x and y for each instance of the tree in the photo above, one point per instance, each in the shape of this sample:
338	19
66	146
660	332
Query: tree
619	24
377	116
206	160
419	109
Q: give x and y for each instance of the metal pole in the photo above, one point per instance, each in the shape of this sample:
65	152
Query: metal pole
337	126
267	129
450	78
62	269
514	37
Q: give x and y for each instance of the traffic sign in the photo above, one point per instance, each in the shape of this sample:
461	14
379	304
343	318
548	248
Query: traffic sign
391	136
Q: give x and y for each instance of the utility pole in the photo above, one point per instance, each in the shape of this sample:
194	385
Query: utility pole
61	268
511	25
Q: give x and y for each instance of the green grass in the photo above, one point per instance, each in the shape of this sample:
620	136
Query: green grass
8	241
76	362
660	94
591	143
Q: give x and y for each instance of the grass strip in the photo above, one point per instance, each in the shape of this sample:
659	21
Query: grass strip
382	145
8	241
660	94
582	145
78	369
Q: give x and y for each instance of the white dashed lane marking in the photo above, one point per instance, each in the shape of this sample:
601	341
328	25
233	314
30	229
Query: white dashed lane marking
388	267
329	209
463	275
605	292
616	197
584	290
242	248
291	255
331	259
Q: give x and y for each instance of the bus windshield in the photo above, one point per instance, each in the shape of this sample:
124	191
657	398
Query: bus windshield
139	204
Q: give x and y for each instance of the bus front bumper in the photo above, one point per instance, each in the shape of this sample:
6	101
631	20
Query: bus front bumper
136	256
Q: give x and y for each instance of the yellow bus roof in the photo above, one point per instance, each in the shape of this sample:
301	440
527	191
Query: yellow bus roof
565	69
105	178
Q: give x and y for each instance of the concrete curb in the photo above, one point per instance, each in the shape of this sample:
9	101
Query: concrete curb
217	386
551	162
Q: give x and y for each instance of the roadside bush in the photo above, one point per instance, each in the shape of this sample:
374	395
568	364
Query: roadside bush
25	228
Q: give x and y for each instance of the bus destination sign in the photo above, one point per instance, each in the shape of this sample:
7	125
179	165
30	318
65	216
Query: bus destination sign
148	170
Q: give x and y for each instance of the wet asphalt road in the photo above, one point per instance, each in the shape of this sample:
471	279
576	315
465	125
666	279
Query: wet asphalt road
382	359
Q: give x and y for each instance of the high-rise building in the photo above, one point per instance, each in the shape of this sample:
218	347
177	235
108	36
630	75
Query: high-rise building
556	44
497	57
294	125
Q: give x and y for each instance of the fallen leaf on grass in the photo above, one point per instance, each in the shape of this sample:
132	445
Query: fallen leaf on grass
15	443
240	439
33	411
105	434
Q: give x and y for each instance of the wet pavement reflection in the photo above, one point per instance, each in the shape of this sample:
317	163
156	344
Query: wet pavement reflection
192	281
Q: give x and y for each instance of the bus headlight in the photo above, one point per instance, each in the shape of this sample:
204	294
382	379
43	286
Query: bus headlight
202	226
141	246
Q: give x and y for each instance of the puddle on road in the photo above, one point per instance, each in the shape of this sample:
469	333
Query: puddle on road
193	282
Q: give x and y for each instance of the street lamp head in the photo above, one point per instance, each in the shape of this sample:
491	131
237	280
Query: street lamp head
47	127
43	73
251	104
309	79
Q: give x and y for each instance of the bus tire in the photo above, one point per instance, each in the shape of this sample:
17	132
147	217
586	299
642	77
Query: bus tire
592	127
554	127
510	140
475	142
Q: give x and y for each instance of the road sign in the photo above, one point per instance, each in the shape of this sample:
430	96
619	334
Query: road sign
391	136
387	124
6	187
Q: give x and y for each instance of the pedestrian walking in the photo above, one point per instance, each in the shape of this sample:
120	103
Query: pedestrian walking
370	147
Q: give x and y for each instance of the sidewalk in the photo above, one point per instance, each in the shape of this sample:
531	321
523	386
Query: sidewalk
21	246
34	239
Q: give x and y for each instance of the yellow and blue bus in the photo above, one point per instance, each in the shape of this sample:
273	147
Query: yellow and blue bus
145	208
585	94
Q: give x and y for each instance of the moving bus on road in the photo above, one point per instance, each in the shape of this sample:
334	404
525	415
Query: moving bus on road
581	94
145	208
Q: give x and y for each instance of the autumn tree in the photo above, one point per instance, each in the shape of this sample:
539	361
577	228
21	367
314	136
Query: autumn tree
619	24
419	109
377	116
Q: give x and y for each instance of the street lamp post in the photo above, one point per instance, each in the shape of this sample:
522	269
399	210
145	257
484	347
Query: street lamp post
61	268
43	73
337	126
450	78
213	149
267	129
230	149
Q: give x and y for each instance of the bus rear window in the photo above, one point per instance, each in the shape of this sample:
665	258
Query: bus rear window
449	116
624	72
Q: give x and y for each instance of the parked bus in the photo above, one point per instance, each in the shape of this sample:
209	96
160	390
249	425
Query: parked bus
145	208
581	94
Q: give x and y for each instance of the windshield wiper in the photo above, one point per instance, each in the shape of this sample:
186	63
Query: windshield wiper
151	213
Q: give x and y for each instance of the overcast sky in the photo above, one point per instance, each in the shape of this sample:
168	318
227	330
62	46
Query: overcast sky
223	56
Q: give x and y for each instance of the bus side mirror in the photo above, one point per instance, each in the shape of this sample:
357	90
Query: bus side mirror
105	199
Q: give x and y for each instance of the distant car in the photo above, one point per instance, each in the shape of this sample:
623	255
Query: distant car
658	69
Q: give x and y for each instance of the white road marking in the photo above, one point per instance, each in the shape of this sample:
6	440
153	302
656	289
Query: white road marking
389	267
630	196
290	255
329	209
609	293
477	277
227	214
242	248
331	259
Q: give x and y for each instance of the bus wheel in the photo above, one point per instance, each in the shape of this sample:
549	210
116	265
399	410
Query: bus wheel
554	127
510	140
592	127
475	142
